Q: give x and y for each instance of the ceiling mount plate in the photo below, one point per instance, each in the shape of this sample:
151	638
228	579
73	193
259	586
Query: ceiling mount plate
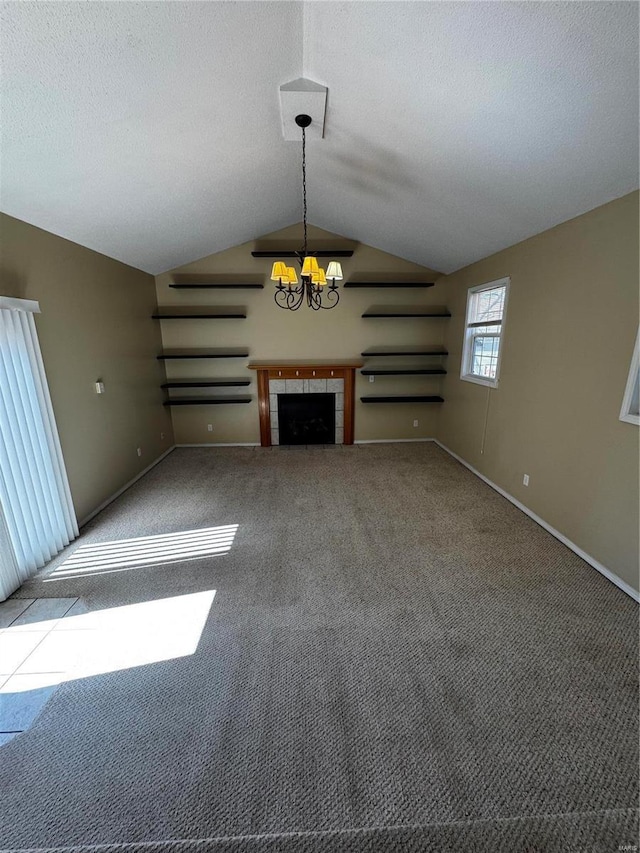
302	96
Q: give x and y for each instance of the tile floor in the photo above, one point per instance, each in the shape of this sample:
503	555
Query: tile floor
47	641
31	666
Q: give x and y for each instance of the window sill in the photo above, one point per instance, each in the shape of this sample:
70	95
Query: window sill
478	380
631	419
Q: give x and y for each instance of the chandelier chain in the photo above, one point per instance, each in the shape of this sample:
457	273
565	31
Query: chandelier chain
304	188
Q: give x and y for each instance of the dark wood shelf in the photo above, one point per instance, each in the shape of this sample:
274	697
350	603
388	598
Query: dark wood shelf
206	383
230	286
340	253
232	352
402	371
200	313
390	284
404	351
413	398
292	364
409	311
206	401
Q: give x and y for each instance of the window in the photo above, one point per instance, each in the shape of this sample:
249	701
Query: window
630	411
486	308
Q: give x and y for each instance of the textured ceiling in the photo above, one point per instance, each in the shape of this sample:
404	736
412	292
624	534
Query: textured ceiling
151	131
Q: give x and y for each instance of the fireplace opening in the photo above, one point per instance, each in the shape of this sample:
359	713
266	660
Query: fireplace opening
307	418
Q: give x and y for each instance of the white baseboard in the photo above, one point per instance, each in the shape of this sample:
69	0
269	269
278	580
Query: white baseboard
391	440
257	443
126	486
623	585
222	444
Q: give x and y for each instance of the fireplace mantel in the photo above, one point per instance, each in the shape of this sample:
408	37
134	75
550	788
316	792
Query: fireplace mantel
305	369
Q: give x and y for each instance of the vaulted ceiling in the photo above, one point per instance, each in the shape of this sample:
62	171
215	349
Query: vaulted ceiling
151	131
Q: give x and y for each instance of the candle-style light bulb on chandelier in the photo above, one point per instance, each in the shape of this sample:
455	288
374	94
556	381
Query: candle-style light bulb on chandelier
316	286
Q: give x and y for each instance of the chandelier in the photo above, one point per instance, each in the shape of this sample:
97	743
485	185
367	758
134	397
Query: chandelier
313	286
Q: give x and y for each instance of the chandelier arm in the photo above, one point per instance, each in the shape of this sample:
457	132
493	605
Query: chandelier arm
289	298
333	297
314	299
295	305
300	296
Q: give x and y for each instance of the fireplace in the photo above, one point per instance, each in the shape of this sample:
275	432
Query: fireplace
330	380
307	418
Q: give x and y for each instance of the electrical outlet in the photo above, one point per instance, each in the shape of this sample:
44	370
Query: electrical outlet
415	423
139	451
525	480
210	427
161	436
372	378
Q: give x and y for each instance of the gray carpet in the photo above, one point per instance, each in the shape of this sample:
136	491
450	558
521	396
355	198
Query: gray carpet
396	658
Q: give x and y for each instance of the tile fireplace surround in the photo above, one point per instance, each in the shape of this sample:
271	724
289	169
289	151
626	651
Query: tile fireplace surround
305	377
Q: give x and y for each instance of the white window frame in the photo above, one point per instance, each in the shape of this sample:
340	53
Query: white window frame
469	334
632	380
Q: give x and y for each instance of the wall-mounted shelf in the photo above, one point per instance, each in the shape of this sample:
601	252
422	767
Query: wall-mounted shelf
413	398
402	371
409	311
206	401
229	352
205	286
389	284
421	367
404	351
217	313
339	253
206	383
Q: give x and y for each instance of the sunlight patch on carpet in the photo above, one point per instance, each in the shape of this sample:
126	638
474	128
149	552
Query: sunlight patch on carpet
122	555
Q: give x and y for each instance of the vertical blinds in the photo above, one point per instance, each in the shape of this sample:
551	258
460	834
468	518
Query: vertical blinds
36	511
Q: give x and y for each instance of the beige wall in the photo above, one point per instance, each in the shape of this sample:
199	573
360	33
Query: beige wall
270	332
95	324
571	324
